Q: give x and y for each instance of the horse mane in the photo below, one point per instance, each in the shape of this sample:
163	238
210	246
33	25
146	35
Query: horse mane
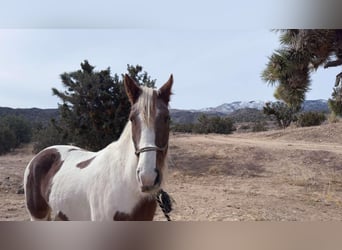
146	105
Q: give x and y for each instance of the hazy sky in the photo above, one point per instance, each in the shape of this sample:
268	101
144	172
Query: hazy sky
212	63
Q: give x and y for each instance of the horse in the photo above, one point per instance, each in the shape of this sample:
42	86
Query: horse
118	182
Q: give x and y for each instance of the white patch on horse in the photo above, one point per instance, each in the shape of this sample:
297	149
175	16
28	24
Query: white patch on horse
147	160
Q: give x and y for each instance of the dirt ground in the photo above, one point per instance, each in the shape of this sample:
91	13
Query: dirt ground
284	175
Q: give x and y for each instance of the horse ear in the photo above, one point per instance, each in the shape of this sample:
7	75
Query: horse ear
165	91
133	91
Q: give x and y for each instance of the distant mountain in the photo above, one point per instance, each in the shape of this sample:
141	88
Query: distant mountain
33	115
227	108
316	105
240	111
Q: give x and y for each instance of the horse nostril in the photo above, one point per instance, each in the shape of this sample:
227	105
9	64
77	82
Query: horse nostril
138	176
157	180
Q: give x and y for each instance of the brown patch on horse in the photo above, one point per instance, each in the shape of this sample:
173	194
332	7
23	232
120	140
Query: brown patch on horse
143	211
162	128
84	164
119	216
61	217
42	169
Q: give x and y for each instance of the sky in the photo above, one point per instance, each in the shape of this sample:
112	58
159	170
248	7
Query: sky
213	60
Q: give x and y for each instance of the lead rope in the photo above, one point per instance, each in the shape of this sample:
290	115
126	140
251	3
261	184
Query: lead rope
165	203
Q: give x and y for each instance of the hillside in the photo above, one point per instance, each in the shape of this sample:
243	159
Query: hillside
33	115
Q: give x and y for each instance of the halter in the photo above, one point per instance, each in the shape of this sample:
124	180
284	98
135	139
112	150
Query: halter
162	198
150	148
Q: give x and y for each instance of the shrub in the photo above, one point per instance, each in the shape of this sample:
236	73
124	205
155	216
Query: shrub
48	136
216	124
311	119
14	130
7	139
283	113
182	127
259	126
205	125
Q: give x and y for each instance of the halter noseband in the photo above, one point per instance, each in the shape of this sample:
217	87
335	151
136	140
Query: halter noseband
150	148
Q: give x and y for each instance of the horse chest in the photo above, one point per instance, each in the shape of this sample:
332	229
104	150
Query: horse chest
144	210
121	204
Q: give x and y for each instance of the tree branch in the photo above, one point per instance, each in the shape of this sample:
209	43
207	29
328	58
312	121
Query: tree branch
333	63
338	79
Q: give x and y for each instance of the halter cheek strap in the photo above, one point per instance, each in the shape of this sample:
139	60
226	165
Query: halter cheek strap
150	148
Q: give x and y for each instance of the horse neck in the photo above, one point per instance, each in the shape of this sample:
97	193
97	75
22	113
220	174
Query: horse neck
120	156
125	142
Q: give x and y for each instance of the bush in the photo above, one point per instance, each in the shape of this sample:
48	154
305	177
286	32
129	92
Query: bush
7	140
182	127
219	125
283	113
259	127
308	119
48	136
206	125
14	130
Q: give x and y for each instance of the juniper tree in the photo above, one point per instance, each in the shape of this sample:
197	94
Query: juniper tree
94	108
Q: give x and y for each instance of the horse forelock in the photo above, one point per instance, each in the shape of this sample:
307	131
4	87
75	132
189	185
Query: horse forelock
146	105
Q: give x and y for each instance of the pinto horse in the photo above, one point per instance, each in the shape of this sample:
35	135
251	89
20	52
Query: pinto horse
118	182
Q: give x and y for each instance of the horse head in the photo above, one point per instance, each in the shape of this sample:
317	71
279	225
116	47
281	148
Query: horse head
150	121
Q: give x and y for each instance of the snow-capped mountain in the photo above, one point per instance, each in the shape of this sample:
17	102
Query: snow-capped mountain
227	108
230	109
316	105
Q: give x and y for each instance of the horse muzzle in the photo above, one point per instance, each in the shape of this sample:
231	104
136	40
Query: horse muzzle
149	181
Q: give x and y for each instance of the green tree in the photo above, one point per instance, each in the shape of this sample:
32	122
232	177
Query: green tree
94	107
301	53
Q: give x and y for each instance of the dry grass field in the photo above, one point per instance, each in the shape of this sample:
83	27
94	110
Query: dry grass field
283	175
